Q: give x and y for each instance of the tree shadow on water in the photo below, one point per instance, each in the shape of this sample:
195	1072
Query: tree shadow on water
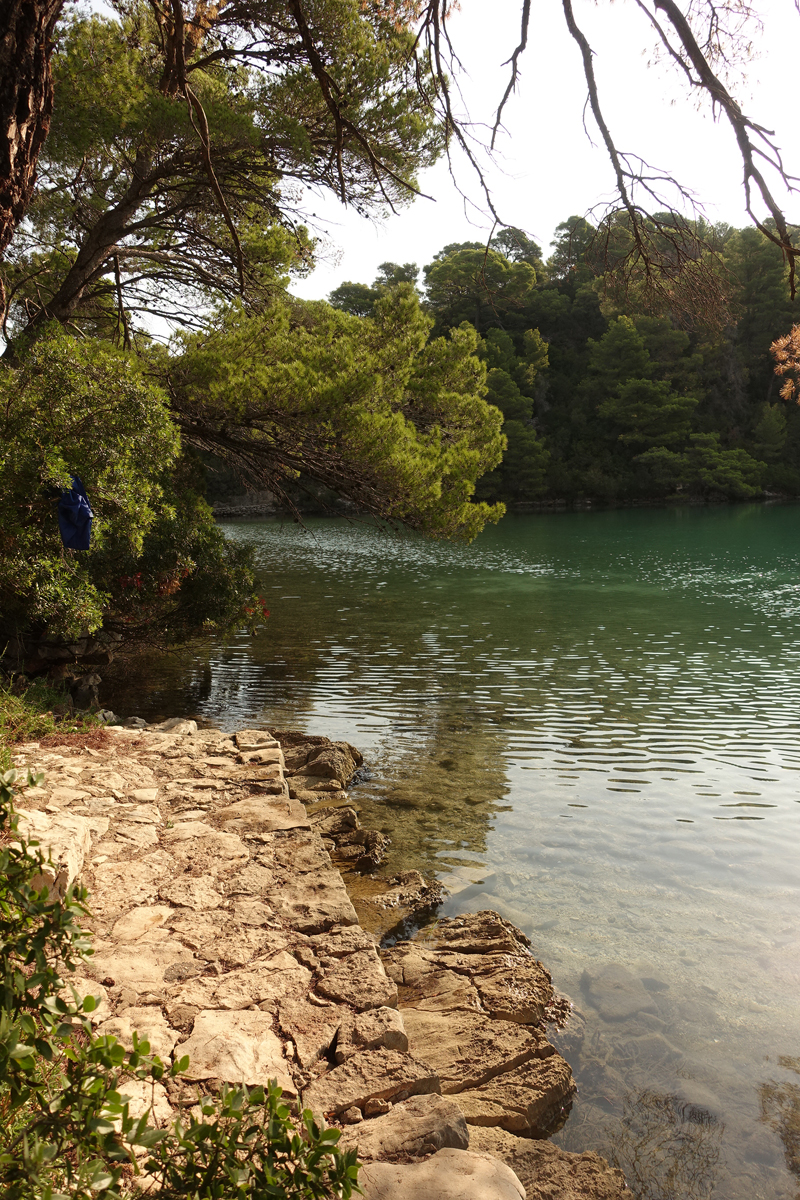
668	1149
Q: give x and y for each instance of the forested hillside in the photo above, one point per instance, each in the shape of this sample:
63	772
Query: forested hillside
608	394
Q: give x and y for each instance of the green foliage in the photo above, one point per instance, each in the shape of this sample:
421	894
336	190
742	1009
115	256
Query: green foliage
572	244
74	408
516	246
620	354
360	300
763	307
371	408
650	413
705	468
29	712
126	219
67	1131
157	562
770	432
476	285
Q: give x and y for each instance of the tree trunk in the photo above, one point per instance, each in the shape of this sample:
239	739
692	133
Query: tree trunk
26	102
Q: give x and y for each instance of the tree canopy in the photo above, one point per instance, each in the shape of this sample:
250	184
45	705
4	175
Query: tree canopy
182	140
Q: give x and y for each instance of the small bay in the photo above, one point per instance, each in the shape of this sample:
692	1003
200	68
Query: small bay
591	723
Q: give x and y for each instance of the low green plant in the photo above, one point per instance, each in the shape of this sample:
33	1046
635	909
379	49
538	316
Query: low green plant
66	1129
36	711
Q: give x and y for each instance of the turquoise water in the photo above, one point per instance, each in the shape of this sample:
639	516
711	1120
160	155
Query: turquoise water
589	722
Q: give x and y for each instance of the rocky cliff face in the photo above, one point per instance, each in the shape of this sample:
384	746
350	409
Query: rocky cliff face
223	930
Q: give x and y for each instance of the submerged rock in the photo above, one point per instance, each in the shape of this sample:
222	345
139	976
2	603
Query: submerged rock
616	993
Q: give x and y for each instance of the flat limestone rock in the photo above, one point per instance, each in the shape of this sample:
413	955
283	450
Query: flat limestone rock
413	1128
549	1173
136	834
252	880
176	725
150	1023
213	853
517	991
373	1074
189	829
195	892
312	1029
135	965
119	885
528	1100
303	852
445	991
484	932
314	903
265	816
616	993
509	985
467	1049
198	929
370	1030
359	980
409	963
145	795
64	837
448	1175
140	921
279	978
338	943
237	1047
255	739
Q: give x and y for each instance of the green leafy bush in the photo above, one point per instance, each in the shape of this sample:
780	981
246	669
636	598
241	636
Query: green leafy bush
71	407
33	712
66	1130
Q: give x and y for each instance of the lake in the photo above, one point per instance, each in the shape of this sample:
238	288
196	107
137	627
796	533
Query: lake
589	722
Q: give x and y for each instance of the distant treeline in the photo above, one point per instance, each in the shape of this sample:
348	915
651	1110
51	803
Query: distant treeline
614	391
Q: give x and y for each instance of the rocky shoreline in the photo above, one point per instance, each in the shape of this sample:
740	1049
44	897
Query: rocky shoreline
223	929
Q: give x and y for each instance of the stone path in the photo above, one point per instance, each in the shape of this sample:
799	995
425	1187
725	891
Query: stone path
222	930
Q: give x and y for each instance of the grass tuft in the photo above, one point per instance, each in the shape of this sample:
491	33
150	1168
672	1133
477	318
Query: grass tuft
37	711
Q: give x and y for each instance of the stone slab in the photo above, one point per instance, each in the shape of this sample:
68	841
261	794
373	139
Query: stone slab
447	1175
140	921
360	980
412	1128
529	1100
467	1049
237	1047
190	891
66	838
314	903
369	1031
372	1074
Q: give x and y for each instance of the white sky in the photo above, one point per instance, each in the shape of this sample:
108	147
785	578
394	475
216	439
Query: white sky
548	168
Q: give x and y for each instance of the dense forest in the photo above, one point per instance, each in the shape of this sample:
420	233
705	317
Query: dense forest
154	353
606	395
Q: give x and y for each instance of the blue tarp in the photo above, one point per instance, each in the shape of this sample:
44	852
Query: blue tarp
75	517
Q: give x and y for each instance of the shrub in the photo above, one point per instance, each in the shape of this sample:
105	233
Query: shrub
83	408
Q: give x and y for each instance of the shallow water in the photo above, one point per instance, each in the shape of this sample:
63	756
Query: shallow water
589	722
